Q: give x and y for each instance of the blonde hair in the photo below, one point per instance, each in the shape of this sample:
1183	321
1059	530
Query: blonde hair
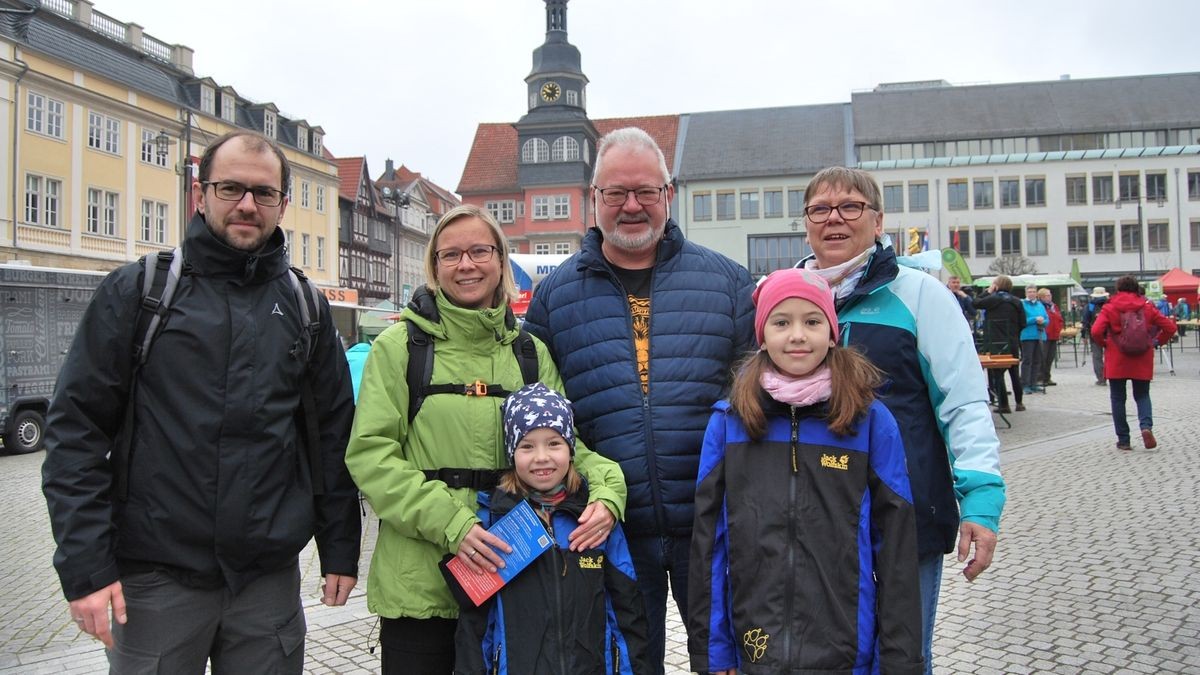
510	483
507	290
854	381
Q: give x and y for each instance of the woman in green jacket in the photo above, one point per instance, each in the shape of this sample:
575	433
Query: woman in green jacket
421	477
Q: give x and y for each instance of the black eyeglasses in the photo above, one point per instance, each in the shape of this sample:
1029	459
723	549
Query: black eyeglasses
616	196
232	191
480	253
848	210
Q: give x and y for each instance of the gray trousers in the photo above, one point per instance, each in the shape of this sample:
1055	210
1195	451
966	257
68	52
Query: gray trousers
1098	361
174	628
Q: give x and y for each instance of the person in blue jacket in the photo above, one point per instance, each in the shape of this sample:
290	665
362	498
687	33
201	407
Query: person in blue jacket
569	611
804	547
1033	338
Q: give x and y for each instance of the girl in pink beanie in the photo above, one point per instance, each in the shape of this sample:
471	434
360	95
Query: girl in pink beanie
804	545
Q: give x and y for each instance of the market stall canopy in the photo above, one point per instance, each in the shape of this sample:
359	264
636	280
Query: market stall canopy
1051	281
373	322
1178	281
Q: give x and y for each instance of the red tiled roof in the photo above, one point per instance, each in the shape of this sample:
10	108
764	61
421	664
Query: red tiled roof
492	162
349	173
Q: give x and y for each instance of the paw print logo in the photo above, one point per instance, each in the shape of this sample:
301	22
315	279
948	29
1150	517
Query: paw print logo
754	641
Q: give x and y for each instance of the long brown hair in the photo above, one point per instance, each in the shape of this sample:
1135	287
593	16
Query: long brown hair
854	381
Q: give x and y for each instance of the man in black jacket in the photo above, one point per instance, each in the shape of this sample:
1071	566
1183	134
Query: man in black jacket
197	555
1002	335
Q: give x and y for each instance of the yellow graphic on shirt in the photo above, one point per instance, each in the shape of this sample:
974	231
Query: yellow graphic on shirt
754	641
639	309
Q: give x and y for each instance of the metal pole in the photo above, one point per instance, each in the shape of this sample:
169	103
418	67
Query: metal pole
1141	241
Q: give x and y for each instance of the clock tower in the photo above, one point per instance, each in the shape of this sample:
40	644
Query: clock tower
556	79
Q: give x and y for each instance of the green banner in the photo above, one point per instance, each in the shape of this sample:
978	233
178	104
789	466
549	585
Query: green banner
1075	271
954	264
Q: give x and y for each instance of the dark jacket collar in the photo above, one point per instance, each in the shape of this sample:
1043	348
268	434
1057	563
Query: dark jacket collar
206	255
500	502
882	269
592	257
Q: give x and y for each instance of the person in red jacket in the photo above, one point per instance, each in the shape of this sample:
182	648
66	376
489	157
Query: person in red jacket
1053	331
1120	366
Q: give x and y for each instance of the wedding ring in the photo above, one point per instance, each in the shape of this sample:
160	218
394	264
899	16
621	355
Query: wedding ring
472	554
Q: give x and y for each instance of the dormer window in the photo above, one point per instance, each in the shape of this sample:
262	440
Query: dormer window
535	151
227	106
208	99
268	124
302	138
565	149
316	143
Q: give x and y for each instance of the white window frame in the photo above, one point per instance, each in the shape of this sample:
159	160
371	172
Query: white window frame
208	99
103	207
572	97
561	207
541	207
564	149
304	242
269	124
44	115
541	248
320	199
150	150
304	193
562	247
316	144
320	253
302	138
43	200
291	247
154	222
535	151
228	107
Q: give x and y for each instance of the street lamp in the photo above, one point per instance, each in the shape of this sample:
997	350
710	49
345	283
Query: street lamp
796	224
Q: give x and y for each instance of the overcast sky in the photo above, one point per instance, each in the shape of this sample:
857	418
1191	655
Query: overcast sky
411	79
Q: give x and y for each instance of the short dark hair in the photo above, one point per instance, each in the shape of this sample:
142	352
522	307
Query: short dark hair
254	141
1128	283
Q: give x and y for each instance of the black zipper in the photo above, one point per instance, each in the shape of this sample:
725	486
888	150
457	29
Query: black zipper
789	593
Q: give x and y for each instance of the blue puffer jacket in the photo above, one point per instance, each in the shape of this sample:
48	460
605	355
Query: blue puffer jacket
701	321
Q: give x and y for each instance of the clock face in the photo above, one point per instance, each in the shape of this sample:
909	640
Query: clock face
551	91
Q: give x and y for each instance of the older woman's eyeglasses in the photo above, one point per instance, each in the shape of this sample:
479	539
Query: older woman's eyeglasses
616	196
480	253
820	213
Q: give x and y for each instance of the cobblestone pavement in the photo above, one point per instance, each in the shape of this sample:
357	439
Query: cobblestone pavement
1097	569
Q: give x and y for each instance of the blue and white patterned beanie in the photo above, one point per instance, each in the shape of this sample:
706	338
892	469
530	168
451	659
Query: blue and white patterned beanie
535	406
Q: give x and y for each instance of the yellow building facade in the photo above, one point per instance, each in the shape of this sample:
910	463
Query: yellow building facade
101	130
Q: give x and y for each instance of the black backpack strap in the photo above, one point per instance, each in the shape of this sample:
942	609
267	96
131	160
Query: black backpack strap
310	330
526	352
420	367
476	479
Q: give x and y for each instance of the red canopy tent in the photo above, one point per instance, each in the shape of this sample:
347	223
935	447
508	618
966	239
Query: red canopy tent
1178	284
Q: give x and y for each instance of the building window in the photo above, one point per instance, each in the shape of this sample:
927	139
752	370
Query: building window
1077	239
1035	240
918	197
502	211
208	101
562	248
320	253
572	97
102	212
45	115
304	238
1130	187
702	206
984	198
154	221
893	198
1156	233
321	199
291	249
776	252
1193	185
1010	193
316	143
565	149
795	203
1035	192
772	203
960	240
1156	187
268	124
1010	241
1131	237
535	151
562	206
541	248
302	138
42	200
956	197
725	205
227	106
1102	188
304	193
985	242
1105	238
541	207
104	133
1194	230
750	204
1076	190
150	150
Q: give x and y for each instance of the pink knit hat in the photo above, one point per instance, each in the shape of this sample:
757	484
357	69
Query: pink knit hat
792	282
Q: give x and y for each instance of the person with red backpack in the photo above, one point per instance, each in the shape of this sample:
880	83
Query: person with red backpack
1126	330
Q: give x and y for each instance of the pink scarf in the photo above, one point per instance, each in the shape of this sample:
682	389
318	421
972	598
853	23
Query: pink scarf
798	391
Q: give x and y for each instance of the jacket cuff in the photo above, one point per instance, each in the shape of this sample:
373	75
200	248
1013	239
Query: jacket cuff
79	588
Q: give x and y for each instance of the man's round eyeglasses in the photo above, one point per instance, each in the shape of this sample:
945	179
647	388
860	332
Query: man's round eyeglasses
848	210
231	191
480	253
616	196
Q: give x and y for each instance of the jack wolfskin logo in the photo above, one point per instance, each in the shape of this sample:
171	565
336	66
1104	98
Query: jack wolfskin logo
587	562
868	311
831	462
754	641
276	310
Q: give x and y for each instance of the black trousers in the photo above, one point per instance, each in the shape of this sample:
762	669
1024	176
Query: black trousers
996	378
417	646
